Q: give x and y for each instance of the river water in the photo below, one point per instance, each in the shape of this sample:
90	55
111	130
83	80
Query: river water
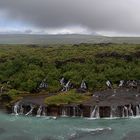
43	128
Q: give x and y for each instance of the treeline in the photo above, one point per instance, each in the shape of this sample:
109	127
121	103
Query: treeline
24	67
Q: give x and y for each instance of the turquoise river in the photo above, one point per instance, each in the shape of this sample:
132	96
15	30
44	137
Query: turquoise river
44	128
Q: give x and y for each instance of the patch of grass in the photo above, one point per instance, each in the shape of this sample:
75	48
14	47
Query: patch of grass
70	97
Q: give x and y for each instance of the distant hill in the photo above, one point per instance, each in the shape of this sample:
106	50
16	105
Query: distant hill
64	39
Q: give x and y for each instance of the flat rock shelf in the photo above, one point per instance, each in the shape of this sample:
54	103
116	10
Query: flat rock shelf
121	102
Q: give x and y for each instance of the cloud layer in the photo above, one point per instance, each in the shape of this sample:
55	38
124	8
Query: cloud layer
102	16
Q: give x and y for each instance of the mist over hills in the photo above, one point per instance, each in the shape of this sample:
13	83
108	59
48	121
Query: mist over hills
63	39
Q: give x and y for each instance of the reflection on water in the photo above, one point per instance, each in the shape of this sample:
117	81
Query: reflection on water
43	128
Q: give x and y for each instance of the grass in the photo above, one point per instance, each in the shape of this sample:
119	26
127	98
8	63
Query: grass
70	97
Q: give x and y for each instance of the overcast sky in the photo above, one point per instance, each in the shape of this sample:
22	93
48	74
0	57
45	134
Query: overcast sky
106	17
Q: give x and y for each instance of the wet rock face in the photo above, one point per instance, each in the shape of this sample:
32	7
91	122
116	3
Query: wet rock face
105	111
121	102
2	130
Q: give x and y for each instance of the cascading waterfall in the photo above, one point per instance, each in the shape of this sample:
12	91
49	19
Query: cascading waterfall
21	110
126	114
30	112
64	114
16	108
91	110
127	111
137	110
39	111
43	112
98	113
111	114
130	111
123	112
112	111
95	113
74	111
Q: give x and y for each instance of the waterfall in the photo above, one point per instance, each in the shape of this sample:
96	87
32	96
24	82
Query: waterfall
16	108
74	111
111	112
43	112
39	111
30	112
137	111
95	113
82	114
123	112
64	114
21	110
130	111
98	113
126	111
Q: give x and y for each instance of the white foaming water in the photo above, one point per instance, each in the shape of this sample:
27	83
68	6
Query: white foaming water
95	113
30	112
21	112
39	111
96	129
130	111
64	112
126	112
137	111
16	108
74	111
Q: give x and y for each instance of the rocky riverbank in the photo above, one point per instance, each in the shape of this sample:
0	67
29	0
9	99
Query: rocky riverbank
121	102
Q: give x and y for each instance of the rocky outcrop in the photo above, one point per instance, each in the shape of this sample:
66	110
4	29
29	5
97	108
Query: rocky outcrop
127	57
109	103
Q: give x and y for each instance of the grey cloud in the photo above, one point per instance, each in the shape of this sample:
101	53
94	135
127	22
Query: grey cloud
97	15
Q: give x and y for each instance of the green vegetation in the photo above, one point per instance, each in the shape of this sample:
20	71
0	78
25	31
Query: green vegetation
24	67
71	97
10	97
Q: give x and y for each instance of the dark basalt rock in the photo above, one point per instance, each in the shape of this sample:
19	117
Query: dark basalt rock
111	103
117	55
136	54
75	60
